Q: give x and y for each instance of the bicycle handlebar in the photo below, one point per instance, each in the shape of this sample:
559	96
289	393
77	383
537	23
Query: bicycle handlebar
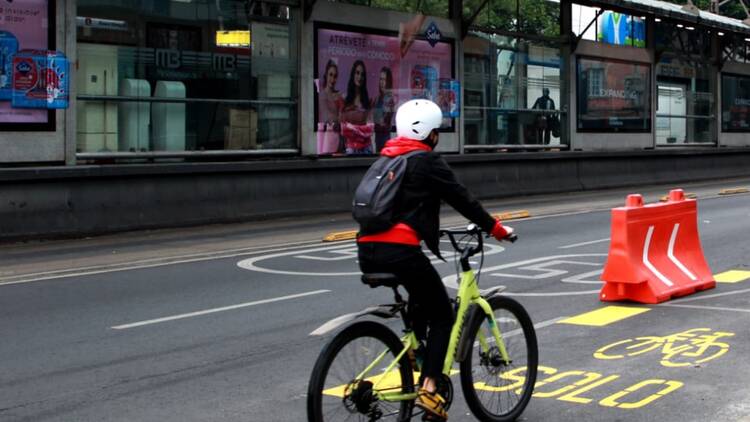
475	232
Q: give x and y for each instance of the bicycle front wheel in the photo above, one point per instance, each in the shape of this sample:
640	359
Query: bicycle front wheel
339	388
497	390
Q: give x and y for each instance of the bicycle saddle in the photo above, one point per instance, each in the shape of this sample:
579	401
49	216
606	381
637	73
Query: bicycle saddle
380	279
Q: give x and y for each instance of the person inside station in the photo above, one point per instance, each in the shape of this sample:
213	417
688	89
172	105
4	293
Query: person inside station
544	122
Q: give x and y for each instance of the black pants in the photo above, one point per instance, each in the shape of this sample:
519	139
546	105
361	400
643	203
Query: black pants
429	305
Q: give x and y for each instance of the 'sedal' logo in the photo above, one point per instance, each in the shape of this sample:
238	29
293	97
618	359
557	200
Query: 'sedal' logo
433	34
23	67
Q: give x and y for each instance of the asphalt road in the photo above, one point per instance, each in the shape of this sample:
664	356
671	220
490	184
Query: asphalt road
212	323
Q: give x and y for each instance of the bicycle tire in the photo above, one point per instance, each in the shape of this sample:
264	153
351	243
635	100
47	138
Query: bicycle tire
511	337
352	333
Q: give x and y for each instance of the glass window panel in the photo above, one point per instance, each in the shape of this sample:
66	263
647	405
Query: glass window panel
613	96
735	103
158	50
684	101
512	91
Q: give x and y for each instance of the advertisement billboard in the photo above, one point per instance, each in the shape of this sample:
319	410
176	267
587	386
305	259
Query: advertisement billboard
362	77
26	25
735	103
621	29
613	96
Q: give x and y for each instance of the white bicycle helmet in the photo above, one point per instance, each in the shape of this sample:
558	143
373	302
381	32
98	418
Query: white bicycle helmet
415	119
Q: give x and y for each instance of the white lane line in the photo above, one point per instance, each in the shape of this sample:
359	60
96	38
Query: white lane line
708	308
212	311
145	263
691	299
575	245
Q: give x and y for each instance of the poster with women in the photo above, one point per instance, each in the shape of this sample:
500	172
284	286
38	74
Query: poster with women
361	80
24	25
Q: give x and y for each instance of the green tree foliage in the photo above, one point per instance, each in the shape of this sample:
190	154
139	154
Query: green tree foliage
732	9
538	17
427	7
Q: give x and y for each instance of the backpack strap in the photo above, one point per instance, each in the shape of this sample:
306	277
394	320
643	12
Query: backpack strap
412	153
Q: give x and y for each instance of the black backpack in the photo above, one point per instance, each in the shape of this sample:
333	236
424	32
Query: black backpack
372	206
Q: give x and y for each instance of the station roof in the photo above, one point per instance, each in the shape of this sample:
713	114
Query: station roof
664	9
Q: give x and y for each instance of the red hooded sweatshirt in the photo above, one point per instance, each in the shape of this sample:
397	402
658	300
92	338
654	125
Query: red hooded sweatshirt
400	233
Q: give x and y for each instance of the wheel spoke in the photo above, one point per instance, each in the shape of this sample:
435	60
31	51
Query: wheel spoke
497	395
335	393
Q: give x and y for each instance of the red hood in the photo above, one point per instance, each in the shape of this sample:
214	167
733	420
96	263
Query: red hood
400	146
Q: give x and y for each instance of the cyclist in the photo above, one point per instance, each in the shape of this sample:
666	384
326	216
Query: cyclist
427	181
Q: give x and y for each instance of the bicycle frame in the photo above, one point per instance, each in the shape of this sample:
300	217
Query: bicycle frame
468	295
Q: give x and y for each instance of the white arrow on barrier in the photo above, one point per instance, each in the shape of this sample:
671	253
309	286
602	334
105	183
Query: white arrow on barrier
648	263
670	255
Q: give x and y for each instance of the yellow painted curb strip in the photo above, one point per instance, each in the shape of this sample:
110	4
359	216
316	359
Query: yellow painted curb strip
733	191
336	236
512	215
352	234
733	276
665	198
604	316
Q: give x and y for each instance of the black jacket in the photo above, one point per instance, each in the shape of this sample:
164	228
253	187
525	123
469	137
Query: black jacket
427	181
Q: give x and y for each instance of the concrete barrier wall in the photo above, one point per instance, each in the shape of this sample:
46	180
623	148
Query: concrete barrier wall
85	200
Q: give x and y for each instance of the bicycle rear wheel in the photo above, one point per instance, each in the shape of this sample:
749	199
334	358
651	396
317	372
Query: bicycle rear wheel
496	390
335	393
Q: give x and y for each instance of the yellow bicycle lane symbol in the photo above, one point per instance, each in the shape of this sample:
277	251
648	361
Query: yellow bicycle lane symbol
685	348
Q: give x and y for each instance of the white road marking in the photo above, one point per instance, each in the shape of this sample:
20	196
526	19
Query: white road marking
708	308
188	258
691	299
146	263
670	253
212	311
648	263
518	331
544	271
553	294
252	264
582	278
575	245
451	281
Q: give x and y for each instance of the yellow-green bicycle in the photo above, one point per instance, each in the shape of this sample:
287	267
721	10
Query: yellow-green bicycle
367	373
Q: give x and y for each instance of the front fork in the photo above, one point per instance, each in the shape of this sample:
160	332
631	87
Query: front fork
468	294
496	334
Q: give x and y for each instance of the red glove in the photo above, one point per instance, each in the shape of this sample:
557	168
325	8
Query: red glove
500	232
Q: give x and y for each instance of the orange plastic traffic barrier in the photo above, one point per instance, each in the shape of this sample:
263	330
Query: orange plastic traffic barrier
655	252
